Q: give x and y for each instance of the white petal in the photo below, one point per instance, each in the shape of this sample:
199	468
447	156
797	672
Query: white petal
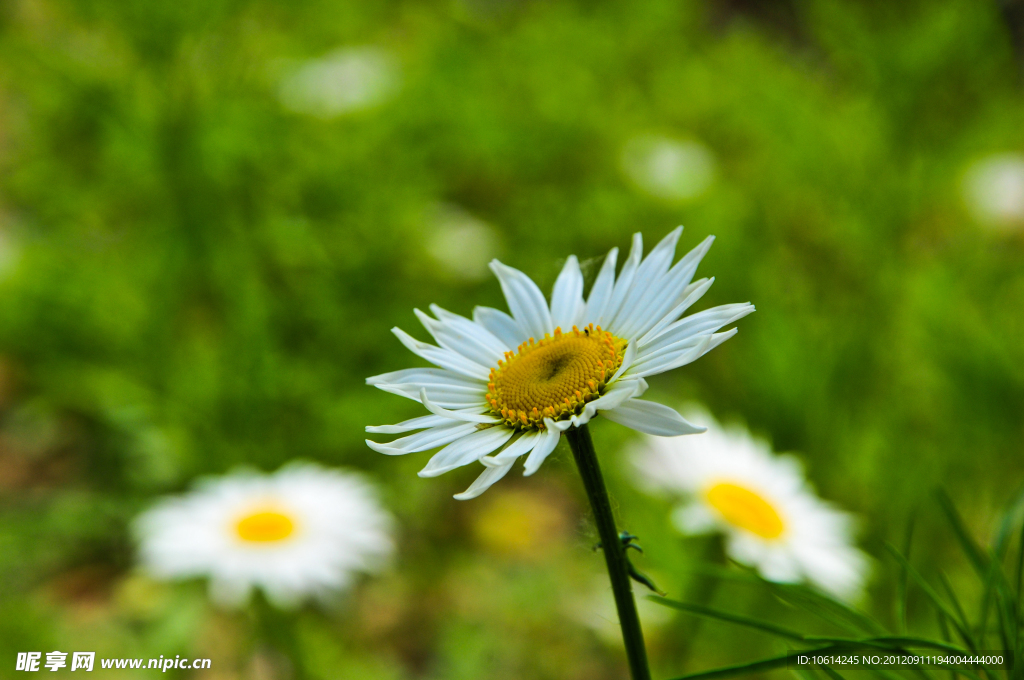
688	352
559	425
464	416
709	320
501	325
624	282
480	333
466	450
444	358
448	397
408	425
694	519
426	376
601	291
547	444
423	441
616	394
527	303
524	444
652	418
489	476
701	346
567	297
779	566
692	295
645	284
664	293
461	335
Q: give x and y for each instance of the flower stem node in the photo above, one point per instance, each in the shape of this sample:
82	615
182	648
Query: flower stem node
626	542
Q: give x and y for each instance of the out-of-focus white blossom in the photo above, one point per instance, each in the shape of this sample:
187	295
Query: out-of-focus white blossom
731	482
303	531
993	190
460	243
346	80
670	169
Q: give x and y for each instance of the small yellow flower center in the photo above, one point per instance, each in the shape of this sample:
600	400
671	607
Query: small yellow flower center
745	509
265	526
553	377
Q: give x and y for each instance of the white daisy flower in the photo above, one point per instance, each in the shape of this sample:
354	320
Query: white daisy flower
770	516
302	531
510	385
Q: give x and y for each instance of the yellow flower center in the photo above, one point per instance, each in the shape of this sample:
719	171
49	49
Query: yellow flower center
553	377
265	526
745	509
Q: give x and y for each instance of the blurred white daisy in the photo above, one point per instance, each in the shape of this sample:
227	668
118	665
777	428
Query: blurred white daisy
671	169
510	385
993	190
733	483
302	531
346	80
459	242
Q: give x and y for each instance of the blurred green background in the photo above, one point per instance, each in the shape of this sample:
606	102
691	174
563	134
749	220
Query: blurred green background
212	212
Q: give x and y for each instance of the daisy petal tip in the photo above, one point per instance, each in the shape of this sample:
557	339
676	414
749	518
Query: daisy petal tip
382	448
470	493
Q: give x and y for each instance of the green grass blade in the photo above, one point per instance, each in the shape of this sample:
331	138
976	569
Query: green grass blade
970	547
960	624
712	613
891	642
745	668
1002	542
953	598
827	670
944	628
1020	566
903	582
833	611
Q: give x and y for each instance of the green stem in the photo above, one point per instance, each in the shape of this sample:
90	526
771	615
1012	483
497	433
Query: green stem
614	554
275	633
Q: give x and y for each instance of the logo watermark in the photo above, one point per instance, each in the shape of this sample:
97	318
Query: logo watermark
876	657
86	661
